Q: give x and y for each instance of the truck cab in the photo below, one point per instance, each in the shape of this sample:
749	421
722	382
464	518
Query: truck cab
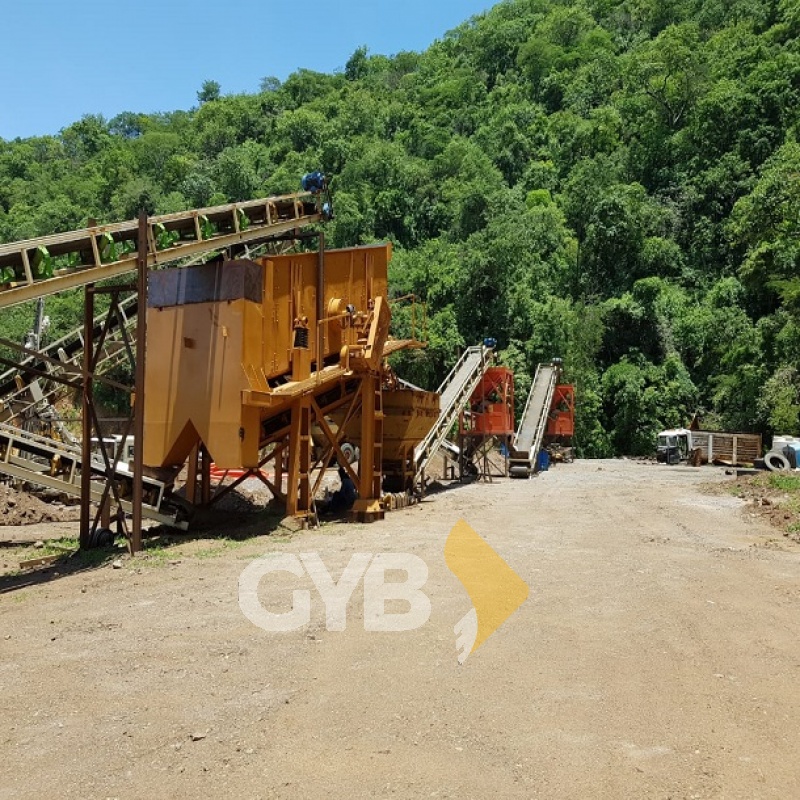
674	446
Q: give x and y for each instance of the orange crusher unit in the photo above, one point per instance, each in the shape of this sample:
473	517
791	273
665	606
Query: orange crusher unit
249	361
491	406
561	419
489	421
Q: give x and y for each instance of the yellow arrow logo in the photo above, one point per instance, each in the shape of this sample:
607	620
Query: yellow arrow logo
495	589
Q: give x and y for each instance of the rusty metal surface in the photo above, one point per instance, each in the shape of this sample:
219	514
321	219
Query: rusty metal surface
97	249
210	283
139	390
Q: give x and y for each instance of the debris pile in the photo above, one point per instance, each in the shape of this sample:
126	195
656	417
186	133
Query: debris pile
22	508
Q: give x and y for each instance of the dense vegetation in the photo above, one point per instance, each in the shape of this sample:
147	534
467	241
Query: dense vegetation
613	181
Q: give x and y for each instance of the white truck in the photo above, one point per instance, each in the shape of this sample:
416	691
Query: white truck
678	444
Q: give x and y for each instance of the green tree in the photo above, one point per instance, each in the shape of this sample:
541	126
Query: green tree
357	65
670	71
209	91
780	401
766	224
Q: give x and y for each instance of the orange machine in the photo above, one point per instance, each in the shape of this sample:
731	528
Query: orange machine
561	419
489	420
491	405
244	357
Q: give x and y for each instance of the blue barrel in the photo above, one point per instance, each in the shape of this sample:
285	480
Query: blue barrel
543	462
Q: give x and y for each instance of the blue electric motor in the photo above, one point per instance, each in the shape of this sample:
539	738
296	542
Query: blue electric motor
543	462
313	182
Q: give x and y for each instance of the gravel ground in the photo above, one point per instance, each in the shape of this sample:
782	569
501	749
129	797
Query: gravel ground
657	656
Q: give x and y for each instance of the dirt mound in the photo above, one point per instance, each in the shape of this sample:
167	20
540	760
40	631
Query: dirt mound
22	508
773	496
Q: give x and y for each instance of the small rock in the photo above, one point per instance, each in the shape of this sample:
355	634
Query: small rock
38	545
117	564
197	737
174	563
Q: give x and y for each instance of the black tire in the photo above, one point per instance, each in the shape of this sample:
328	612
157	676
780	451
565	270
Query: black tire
101	537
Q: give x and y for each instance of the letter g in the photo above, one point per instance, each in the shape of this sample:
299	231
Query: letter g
251	606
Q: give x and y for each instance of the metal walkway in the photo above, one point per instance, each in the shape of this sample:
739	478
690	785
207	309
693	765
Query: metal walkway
55	465
533	425
455	392
51	264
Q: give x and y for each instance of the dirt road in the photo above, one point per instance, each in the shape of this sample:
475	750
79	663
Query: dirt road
657	656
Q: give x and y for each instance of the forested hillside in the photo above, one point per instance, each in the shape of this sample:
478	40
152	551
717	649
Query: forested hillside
616	182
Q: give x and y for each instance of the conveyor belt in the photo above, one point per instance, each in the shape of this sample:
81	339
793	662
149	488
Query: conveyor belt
16	400
55	465
62	261
533	425
455	391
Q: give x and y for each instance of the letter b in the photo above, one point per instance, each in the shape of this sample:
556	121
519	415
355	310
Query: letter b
377	592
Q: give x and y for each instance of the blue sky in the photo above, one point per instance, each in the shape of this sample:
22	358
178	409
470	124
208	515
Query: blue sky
60	60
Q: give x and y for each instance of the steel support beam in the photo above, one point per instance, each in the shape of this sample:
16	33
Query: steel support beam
138	386
86	419
298	493
368	506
